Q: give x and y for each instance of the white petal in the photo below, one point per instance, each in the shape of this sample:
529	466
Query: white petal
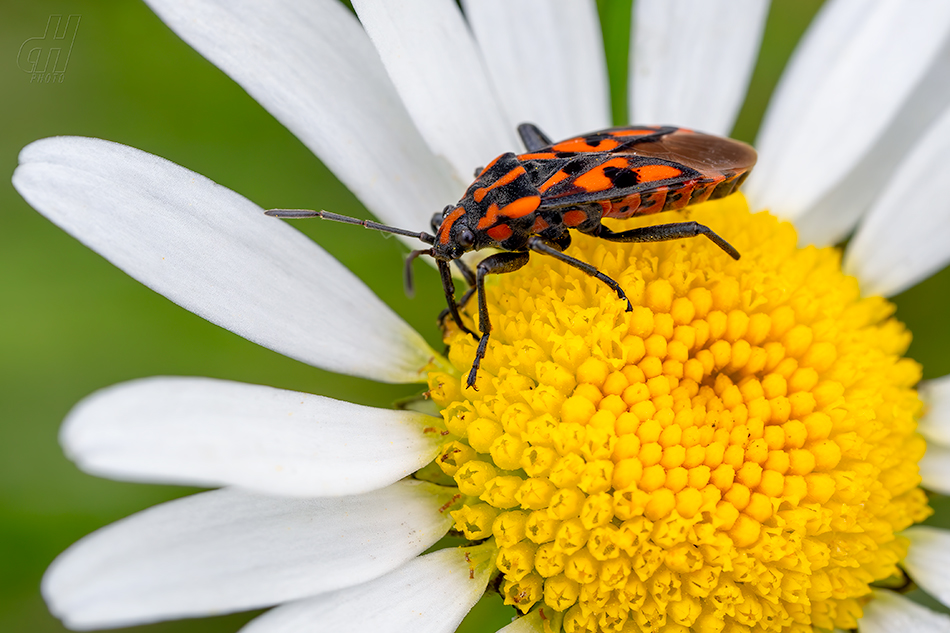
205	432
691	61
835	214
928	560
215	253
229	550
905	237
935	424
432	58
557	77
889	612
935	468
311	65
430	594
849	77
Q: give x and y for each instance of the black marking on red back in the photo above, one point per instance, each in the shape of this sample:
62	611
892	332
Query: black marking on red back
708	166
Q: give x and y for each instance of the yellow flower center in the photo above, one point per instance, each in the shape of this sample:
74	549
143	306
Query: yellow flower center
735	454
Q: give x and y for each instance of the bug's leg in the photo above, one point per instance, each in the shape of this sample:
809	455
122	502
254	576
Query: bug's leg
448	286
540	246
470	280
664	232
533	138
493	265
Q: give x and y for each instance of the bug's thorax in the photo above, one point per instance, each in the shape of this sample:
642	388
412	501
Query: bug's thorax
497	211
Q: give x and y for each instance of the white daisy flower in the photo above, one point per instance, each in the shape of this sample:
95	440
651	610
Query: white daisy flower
738	453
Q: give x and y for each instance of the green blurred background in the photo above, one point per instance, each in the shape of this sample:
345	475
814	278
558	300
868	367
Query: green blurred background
70	323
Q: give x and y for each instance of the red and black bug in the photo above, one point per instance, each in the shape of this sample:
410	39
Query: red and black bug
531	201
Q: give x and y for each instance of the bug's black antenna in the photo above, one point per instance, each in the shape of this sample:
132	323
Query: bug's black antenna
407	272
293	214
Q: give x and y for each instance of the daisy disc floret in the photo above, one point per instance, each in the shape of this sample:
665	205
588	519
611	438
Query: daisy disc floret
738	453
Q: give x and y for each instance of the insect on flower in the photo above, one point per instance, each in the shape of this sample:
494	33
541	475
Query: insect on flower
529	202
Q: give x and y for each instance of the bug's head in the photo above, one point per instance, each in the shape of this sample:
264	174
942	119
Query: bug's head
456	234
452	237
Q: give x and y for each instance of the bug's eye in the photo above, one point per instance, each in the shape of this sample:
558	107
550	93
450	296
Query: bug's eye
466	238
